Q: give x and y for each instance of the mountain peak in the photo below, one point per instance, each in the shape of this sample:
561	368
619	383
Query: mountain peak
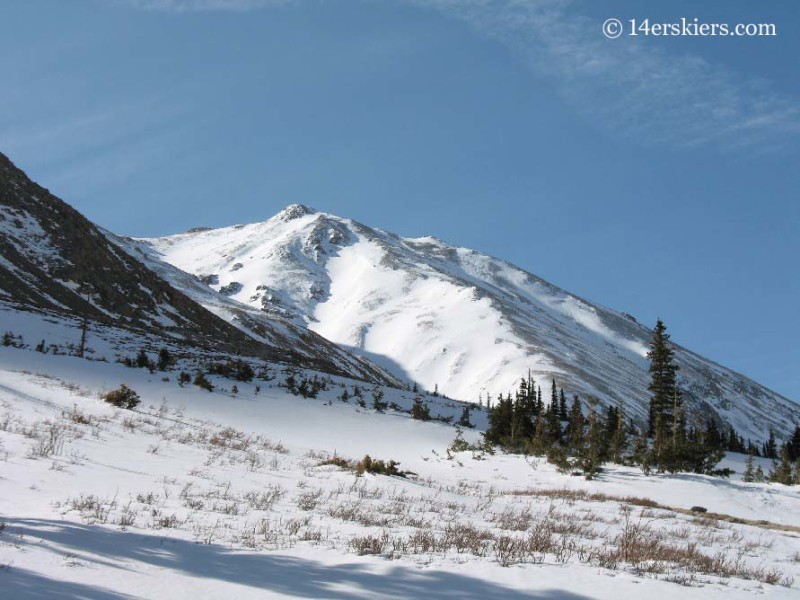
443	315
295	211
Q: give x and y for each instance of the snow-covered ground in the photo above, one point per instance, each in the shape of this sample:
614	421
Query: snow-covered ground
207	495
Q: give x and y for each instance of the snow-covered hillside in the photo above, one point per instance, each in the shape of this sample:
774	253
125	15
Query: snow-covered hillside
221	495
452	317
58	268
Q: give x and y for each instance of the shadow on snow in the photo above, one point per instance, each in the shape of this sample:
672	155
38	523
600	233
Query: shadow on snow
270	571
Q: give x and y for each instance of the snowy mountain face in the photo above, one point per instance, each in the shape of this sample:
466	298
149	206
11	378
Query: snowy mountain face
56	264
452	317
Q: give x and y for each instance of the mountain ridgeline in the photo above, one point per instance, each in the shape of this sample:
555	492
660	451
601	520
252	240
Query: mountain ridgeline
313	290
443	315
55	262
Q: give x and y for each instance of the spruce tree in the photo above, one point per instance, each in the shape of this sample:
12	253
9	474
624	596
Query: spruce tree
464	420
793	445
642	453
771	446
782	471
165	359
749	474
553	418
616	434
591	457
575	427
420	410
142	361
663	372
667	419
500	421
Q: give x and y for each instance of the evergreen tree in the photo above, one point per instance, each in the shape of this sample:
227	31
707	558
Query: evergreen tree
793	445
522	417
782	471
553	398
749	474
562	406
663	373
771	447
575	427
714	439
420	411
642	453
538	444
201	381
552	424
378	402
699	454
616	434
591	458
165	359
735	443
84	328
123	397
667	422
464	420
141	360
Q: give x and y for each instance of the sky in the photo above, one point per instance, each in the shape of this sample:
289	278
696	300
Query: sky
654	175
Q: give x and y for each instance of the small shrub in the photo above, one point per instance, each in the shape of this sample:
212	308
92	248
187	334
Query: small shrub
370	544
123	397
337	461
201	381
233	369
309	500
378	467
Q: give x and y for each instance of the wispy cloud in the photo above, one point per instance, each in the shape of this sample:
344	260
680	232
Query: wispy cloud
200	5
627	87
630	87
90	130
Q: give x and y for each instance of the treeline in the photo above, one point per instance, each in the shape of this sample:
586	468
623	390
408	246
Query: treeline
582	436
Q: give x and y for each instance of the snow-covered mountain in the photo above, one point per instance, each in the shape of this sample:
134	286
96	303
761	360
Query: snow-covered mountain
453	317
57	267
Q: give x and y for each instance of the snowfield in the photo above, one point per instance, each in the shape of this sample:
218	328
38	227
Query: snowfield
443	315
200	494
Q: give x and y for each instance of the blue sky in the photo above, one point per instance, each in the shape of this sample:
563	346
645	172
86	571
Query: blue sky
658	176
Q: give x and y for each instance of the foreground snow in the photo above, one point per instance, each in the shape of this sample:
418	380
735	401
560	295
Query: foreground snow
205	495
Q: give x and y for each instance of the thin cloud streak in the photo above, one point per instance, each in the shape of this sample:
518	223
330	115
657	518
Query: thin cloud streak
625	87
57	140
179	6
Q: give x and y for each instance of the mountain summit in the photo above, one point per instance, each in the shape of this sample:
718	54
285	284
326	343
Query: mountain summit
57	267
452	317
